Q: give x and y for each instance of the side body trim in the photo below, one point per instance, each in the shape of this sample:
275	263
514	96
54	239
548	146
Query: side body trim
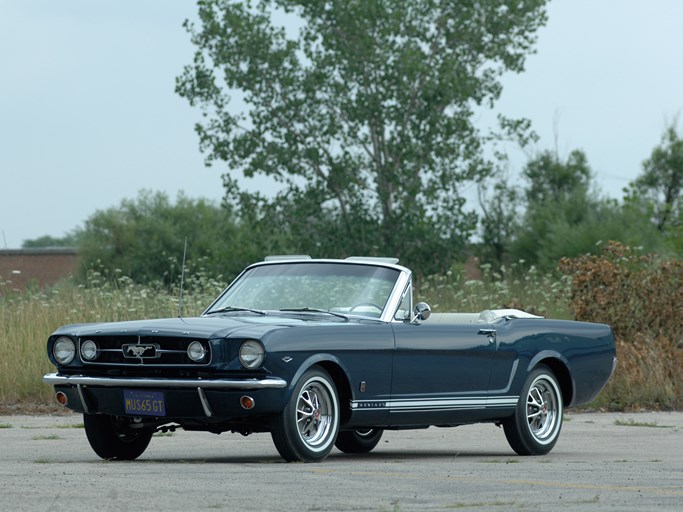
436	404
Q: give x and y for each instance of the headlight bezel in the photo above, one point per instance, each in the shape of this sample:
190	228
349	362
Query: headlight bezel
64	350
202	349
252	354
86	346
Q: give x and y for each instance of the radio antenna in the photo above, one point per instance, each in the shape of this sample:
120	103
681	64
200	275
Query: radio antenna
182	281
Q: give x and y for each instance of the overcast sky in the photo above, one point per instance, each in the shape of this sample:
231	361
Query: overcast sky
88	113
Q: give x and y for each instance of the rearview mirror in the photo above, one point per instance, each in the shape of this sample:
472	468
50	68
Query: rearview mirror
422	312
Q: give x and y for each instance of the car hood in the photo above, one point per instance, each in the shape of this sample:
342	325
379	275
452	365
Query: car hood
201	327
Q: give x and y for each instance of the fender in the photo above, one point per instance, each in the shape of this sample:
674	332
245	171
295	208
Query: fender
552	354
547	354
312	361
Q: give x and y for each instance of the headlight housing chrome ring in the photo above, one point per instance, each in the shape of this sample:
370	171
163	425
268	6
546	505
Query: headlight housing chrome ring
252	354
64	350
196	351
89	350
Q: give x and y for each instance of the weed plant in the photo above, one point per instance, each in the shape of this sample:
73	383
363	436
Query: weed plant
510	287
27	319
641	298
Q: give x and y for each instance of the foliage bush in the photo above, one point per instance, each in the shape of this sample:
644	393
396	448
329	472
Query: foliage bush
512	286
634	293
641	297
29	318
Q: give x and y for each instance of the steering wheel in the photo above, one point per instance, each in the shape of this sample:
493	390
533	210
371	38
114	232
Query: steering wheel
370	304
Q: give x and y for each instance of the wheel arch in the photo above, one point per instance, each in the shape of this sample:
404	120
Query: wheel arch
560	369
341	382
335	368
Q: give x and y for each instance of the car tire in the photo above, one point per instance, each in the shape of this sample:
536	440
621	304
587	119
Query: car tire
307	427
109	438
535	426
358	441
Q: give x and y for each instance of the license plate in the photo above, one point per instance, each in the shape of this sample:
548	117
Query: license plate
144	403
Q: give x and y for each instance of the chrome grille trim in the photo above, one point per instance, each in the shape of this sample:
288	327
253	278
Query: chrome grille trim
112	346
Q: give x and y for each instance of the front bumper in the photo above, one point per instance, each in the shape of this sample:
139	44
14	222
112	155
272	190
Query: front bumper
135	382
184	398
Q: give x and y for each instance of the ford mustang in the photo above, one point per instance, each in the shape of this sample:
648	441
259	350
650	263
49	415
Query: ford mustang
324	353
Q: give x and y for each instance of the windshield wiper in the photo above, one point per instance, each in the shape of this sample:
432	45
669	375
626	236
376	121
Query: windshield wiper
228	309
315	310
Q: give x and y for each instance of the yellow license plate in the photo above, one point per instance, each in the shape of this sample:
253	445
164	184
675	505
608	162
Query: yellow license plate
144	403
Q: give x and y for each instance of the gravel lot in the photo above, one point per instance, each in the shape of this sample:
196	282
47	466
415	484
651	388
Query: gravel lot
602	462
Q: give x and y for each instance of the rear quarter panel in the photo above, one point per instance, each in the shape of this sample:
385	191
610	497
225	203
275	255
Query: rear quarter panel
586	350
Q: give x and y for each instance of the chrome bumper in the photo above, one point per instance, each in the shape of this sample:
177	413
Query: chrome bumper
130	382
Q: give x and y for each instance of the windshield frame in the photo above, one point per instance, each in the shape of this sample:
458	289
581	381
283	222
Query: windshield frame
403	278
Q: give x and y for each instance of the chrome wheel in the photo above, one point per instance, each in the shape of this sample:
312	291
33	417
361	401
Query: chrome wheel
358	441
543	409
535	426
315	413
307	427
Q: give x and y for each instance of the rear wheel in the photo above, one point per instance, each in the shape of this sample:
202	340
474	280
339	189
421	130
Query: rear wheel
112	438
535	426
358	441
307	427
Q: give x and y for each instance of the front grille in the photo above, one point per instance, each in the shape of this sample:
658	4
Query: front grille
157	351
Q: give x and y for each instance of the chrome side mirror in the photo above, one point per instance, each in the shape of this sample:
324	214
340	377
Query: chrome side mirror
422	312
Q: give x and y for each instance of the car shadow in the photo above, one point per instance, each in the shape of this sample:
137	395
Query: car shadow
336	457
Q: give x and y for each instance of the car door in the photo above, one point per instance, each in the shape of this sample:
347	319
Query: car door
441	372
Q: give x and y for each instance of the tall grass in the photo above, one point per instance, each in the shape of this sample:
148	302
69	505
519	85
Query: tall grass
510	287
27	319
649	374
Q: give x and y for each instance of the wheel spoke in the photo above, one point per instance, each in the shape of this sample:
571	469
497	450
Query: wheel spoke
534	414
303	415
537	401
541	409
308	414
306	399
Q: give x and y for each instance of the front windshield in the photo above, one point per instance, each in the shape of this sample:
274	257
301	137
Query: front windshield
337	287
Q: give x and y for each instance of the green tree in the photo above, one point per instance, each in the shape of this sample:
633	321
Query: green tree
662	179
68	240
565	215
657	193
557	197
601	221
365	116
552	180
144	238
500	204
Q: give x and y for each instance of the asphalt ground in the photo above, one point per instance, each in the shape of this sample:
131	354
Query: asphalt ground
603	461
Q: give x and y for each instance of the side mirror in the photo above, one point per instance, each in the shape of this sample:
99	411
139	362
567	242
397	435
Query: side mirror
422	312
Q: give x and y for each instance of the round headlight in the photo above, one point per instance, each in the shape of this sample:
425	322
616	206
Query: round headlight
88	350
64	350
196	351
252	354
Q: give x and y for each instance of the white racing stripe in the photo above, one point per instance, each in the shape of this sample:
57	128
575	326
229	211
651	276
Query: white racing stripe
424	404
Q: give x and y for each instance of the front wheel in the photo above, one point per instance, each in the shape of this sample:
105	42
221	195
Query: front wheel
307	427
358	441
535	426
112	438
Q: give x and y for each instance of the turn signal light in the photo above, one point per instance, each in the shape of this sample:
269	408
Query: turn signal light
62	398
247	402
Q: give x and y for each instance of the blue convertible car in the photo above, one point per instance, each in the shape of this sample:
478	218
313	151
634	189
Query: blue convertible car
324	353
